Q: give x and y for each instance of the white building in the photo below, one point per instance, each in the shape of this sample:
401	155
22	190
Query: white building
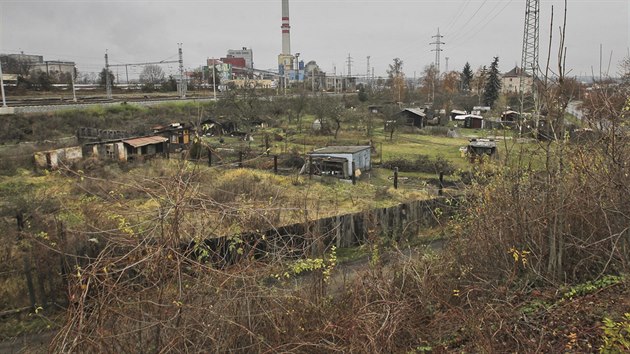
511	81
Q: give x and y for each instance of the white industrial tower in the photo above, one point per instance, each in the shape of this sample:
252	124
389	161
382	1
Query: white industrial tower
286	29
285	59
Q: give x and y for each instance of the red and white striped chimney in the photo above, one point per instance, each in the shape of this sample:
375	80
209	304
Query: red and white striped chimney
286	29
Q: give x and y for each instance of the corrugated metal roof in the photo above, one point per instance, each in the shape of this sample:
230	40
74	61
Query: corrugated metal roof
463	117
415	111
147	140
483	143
340	149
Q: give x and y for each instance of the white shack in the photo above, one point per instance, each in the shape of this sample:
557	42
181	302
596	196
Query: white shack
337	160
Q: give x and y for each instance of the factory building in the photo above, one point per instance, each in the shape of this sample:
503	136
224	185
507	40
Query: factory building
247	54
27	64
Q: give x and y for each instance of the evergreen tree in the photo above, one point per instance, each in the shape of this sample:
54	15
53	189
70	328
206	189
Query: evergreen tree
466	77
493	84
102	77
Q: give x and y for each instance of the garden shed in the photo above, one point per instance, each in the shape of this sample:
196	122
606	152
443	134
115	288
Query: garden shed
337	160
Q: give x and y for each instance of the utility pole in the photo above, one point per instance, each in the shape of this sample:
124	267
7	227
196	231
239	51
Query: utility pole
529	59
349	60
335	78
182	82
438	42
4	102
74	92
214	78
108	81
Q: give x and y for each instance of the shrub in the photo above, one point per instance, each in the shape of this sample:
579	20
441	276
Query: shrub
422	163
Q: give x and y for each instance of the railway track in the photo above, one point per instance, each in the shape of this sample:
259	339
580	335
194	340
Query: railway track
57	101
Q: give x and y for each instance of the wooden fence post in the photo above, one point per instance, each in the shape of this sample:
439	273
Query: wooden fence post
27	264
310	167
395	177
275	164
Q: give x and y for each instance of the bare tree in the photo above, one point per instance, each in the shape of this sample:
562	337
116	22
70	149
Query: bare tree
152	74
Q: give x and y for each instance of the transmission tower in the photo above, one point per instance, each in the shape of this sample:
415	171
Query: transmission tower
529	59
367	76
182	80
349	61
438	42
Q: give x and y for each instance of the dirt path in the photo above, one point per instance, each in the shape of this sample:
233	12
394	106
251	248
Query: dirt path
347	273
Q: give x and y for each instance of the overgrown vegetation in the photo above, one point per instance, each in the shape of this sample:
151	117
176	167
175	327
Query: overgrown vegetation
173	255
422	163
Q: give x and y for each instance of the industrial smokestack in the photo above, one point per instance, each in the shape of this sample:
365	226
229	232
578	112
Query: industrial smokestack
286	29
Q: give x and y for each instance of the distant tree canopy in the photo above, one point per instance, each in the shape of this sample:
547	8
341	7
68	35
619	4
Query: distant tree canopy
152	74
429	81
493	84
396	79
12	65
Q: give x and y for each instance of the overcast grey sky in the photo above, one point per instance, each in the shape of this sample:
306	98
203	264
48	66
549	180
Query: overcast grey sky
321	30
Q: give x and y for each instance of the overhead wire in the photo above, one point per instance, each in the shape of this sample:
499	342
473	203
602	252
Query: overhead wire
463	27
462	39
459	12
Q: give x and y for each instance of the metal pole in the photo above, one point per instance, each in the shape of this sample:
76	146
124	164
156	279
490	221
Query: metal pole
108	82
214	79
74	92
354	176
4	102
182	82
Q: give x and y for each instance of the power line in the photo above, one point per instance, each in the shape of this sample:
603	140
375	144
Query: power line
459	12
463	27
463	38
